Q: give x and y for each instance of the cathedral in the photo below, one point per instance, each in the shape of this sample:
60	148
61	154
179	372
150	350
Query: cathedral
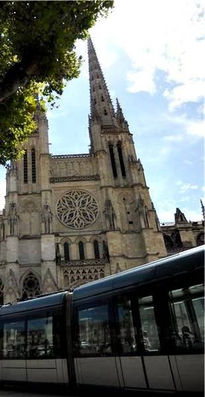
74	218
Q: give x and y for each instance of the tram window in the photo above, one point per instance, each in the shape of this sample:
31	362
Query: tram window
1	340
14	339
187	306
94	331
126	328
40	337
150	335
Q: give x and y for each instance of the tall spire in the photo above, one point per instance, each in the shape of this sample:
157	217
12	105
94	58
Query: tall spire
101	104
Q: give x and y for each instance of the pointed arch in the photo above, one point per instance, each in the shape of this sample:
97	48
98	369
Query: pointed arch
33	165
49	284
81	250
112	158
120	155
31	286
66	249
96	249
1	292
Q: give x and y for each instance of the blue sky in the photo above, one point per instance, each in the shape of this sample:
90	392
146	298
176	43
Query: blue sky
151	56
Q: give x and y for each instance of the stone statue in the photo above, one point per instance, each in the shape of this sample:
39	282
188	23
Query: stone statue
142	213
110	216
47	217
12	218
58	255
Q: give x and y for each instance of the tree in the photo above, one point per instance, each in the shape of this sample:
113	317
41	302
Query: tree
37	57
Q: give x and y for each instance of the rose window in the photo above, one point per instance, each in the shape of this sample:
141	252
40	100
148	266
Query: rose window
77	209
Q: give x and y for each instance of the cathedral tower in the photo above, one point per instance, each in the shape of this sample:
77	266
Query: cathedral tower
132	226
74	218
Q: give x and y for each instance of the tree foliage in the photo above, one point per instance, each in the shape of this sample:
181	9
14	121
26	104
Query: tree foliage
37	56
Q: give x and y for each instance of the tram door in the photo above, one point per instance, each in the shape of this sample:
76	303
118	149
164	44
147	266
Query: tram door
95	363
143	367
187	305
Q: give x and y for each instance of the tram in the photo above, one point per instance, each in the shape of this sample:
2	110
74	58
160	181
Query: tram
141	330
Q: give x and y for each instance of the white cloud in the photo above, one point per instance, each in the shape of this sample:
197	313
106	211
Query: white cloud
141	81
174	138
190	127
184	187
164	35
196	128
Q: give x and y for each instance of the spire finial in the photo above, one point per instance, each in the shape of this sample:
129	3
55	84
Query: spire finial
203	209
120	116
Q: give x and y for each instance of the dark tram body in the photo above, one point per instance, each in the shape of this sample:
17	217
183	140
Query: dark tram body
142	329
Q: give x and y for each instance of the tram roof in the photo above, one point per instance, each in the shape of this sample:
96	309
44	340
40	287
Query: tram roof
158	270
43	301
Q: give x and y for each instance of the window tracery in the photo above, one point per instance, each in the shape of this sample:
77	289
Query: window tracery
81	275
31	287
77	209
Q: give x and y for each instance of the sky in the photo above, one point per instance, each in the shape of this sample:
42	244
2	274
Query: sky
151	54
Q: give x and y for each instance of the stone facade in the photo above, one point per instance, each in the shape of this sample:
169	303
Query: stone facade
70	219
181	234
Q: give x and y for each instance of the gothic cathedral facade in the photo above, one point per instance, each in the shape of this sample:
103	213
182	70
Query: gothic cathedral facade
71	219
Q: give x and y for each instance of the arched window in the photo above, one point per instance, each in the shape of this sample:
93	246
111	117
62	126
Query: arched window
105	112
1	293
96	249
25	167
31	287
81	250
105	251
33	165
102	98
122	165
66	280
112	158
66	252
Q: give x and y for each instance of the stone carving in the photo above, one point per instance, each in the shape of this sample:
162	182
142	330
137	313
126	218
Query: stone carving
142	213
47	217
76	276
12	218
110	216
77	209
62	179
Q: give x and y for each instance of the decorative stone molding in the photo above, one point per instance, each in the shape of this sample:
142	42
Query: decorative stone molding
76	276
74	178
84	262
66	156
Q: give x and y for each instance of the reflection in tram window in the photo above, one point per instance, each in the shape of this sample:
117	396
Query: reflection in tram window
94	331
126	327
188	316
14	340
149	327
40	337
